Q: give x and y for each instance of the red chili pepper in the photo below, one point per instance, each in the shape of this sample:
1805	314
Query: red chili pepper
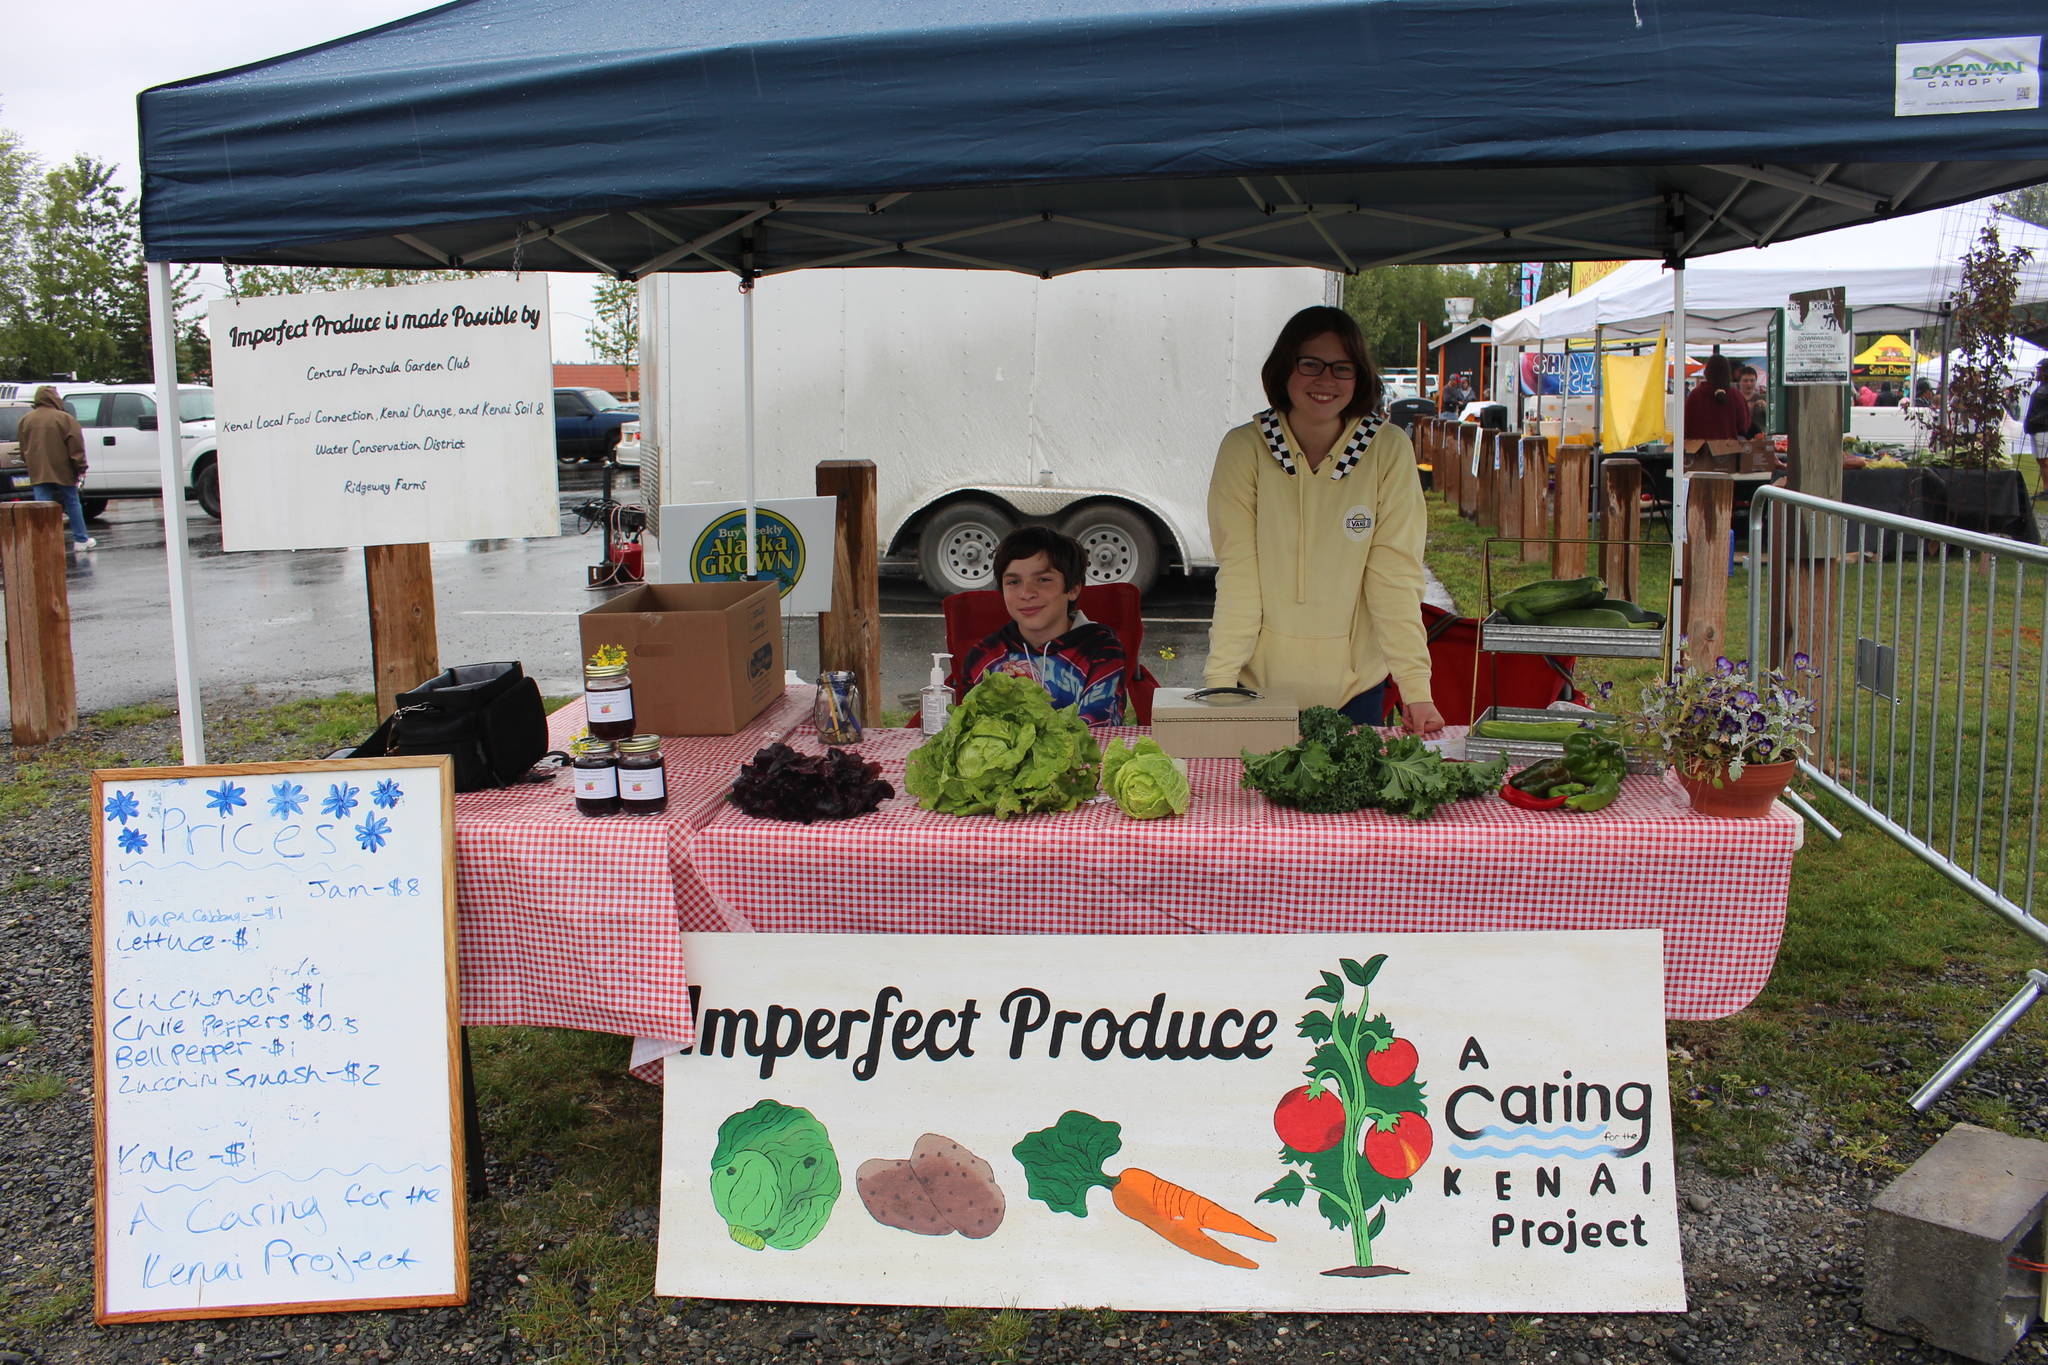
1515	796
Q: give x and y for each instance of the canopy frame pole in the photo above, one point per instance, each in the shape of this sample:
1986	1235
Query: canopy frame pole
1678	491
163	345
747	402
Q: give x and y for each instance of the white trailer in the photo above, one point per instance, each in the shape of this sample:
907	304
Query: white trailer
1093	402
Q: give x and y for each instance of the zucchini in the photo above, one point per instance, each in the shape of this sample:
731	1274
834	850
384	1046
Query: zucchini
1584	618
1552	595
1629	609
1536	731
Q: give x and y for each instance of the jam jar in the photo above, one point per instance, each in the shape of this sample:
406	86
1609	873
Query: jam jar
836	712
608	701
643	780
597	776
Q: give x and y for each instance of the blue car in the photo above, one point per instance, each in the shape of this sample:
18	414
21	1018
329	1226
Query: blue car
589	423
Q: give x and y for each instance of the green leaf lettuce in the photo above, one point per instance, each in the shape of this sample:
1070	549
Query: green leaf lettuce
1144	780
1005	751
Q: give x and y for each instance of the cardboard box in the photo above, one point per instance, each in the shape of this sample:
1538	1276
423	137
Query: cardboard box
705	658
1222	725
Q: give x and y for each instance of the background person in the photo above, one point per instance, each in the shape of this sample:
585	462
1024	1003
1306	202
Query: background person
1316	511
2035	425
1714	411
1076	660
53	448
1746	384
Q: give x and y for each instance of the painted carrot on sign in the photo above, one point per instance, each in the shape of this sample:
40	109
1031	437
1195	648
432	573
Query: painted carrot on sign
1065	1161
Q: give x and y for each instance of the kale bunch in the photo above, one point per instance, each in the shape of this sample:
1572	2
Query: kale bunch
782	784
1336	767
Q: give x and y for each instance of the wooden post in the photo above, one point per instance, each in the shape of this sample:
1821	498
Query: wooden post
850	635
1709	521
404	649
42	686
1500	461
1573	510
1470	467
1806	549
1621	520
1508	491
1534	478
1449	469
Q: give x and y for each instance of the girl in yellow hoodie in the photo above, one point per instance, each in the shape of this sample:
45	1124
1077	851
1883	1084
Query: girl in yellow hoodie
1316	510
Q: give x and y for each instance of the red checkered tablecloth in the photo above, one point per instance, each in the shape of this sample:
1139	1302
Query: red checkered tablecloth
571	922
1236	863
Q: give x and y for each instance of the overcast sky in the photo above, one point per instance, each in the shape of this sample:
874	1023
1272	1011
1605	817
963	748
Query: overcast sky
63	95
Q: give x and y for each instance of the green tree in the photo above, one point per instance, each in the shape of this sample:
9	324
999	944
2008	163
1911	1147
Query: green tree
1389	302
1980	387
2029	204
17	187
615	334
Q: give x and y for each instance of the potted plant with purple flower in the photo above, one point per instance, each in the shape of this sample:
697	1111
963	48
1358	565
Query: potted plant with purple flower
1733	734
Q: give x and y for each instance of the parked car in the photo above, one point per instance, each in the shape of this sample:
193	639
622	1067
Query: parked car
13	472
589	423
121	442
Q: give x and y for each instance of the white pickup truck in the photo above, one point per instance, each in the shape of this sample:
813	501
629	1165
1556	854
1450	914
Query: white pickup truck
120	423
1093	402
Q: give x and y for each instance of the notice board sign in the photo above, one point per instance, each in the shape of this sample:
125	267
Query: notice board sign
274	1039
386	416
706	542
1818	340
1456	1122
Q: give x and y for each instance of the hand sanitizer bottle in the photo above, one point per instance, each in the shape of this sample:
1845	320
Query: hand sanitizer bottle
936	699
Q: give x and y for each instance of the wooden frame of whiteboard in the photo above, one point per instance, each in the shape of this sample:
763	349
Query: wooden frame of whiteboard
458	1208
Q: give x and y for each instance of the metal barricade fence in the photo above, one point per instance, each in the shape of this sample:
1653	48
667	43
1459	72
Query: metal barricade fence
1925	647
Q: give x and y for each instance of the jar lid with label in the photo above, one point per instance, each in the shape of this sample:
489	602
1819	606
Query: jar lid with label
604	670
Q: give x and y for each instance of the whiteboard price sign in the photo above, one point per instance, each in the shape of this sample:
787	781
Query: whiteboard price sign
1369	1122
277	1129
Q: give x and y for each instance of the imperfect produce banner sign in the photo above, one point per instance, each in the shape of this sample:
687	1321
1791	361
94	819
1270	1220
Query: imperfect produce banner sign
1352	1122
386	416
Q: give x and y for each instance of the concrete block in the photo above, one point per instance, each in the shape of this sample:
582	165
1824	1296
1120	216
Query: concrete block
1941	1238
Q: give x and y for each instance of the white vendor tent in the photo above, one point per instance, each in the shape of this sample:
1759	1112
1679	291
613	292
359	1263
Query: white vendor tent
1897	273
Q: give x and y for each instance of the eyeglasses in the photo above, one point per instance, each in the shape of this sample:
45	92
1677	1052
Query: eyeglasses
1311	366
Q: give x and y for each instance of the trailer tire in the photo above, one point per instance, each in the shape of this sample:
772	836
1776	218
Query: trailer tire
1117	544
956	550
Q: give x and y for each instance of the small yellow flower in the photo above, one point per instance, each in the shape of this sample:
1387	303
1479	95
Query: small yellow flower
607	655
1166	653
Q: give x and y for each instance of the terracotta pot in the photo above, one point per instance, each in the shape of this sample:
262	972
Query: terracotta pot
1739	798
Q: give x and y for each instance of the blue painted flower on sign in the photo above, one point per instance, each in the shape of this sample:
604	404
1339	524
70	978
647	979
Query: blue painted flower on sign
287	798
387	794
133	840
341	799
122	806
372	833
226	797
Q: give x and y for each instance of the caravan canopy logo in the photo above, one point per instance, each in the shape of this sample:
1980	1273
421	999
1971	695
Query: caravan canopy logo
1969	76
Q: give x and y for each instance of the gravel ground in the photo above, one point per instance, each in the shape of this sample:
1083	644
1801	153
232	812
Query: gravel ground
1774	1260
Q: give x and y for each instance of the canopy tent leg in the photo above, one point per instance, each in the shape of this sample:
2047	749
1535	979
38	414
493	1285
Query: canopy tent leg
747	403
1678	330
163	342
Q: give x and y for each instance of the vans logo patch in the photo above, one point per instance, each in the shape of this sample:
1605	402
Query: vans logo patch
1358	523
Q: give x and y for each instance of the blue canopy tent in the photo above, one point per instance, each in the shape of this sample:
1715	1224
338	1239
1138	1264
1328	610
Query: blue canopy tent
1050	136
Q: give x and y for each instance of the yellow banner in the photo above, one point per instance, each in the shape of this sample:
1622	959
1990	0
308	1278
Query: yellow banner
1586	272
1632	394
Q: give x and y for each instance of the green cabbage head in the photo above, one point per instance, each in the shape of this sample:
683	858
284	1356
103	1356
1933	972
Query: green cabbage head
774	1176
1005	751
1146	781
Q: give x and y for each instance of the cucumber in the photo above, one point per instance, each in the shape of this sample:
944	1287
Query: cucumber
1628	609
1588	617
1552	595
1543	731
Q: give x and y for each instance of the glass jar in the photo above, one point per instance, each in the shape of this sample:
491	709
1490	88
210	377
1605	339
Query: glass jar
643	778
608	701
836	712
597	776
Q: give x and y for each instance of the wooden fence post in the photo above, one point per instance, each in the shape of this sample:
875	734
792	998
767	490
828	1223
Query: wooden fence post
850	635
404	649
1621	520
1535	482
1508	491
1445	447
1470	448
1573	510
42	685
1709	521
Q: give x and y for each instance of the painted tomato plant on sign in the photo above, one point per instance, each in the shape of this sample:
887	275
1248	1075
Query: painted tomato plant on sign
1358	1131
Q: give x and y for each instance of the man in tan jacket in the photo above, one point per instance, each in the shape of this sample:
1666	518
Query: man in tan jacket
53	447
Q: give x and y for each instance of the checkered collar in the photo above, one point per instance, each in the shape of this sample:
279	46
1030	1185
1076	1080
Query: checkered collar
1347	459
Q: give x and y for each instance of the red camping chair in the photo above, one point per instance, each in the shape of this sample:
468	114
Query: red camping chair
1531	680
971	616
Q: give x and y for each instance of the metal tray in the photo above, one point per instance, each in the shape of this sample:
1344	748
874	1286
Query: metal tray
1520	753
1498	635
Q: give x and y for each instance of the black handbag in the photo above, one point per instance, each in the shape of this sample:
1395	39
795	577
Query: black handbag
487	717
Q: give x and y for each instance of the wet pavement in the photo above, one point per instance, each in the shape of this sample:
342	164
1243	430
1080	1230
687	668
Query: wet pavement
298	621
